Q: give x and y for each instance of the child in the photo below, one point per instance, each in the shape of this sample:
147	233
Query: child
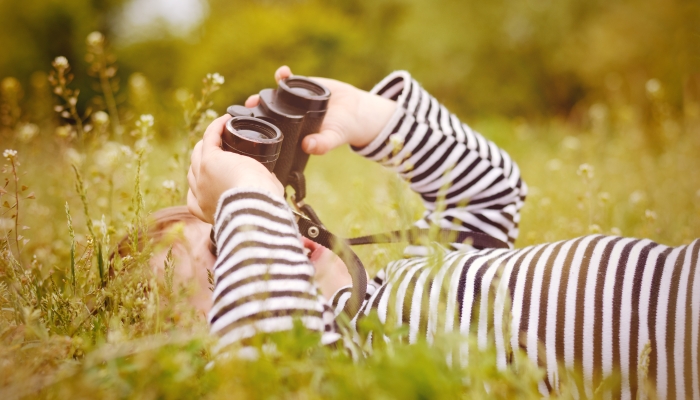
593	303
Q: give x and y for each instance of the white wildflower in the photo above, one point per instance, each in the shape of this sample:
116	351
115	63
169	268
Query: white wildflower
126	151
615	231
169	185
64	131
650	215
637	197
211	114
100	118
27	132
594	228
585	170
95	38
137	81
60	62
9	154
182	95
216	78
146	120
653	86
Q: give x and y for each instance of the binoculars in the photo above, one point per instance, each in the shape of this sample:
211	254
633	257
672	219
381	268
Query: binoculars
271	133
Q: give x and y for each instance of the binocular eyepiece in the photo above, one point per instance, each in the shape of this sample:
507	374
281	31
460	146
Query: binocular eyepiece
254	138
271	132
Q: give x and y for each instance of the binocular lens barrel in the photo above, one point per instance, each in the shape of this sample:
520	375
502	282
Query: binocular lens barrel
254	138
303	93
296	109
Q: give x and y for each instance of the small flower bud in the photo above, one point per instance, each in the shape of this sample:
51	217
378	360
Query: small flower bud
63	131
10	85
27	132
100	118
650	215
146	120
585	170
60	62
95	38
9	154
169	185
653	86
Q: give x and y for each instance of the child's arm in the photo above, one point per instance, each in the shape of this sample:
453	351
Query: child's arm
263	279
401	126
444	160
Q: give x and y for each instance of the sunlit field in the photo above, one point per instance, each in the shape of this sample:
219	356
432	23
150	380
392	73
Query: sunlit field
76	321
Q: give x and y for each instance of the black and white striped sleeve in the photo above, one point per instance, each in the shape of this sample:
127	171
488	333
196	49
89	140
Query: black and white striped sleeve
446	162
263	279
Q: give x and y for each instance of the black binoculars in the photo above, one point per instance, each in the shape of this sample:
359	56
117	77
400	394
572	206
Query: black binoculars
272	132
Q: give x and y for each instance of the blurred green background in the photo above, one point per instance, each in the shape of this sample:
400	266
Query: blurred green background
597	101
511	58
614	85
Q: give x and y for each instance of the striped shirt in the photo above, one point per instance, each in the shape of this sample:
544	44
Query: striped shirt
594	304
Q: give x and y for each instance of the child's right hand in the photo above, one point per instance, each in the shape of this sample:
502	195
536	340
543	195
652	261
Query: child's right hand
354	116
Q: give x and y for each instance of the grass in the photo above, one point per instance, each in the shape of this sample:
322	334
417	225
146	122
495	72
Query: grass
71	329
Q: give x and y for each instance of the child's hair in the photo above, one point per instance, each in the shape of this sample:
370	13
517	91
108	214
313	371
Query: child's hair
158	225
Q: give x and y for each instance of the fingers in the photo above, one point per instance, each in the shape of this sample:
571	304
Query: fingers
212	136
192	180
252	101
196	156
282	72
193	206
321	143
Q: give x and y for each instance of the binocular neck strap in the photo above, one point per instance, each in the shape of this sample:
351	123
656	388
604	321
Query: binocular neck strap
320	235
416	235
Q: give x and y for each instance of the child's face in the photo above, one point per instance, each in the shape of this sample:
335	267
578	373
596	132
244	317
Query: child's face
331	273
193	259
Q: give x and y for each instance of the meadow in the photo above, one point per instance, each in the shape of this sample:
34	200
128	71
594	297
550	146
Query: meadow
77	323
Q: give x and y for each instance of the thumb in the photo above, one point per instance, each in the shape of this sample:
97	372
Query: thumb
212	136
321	143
